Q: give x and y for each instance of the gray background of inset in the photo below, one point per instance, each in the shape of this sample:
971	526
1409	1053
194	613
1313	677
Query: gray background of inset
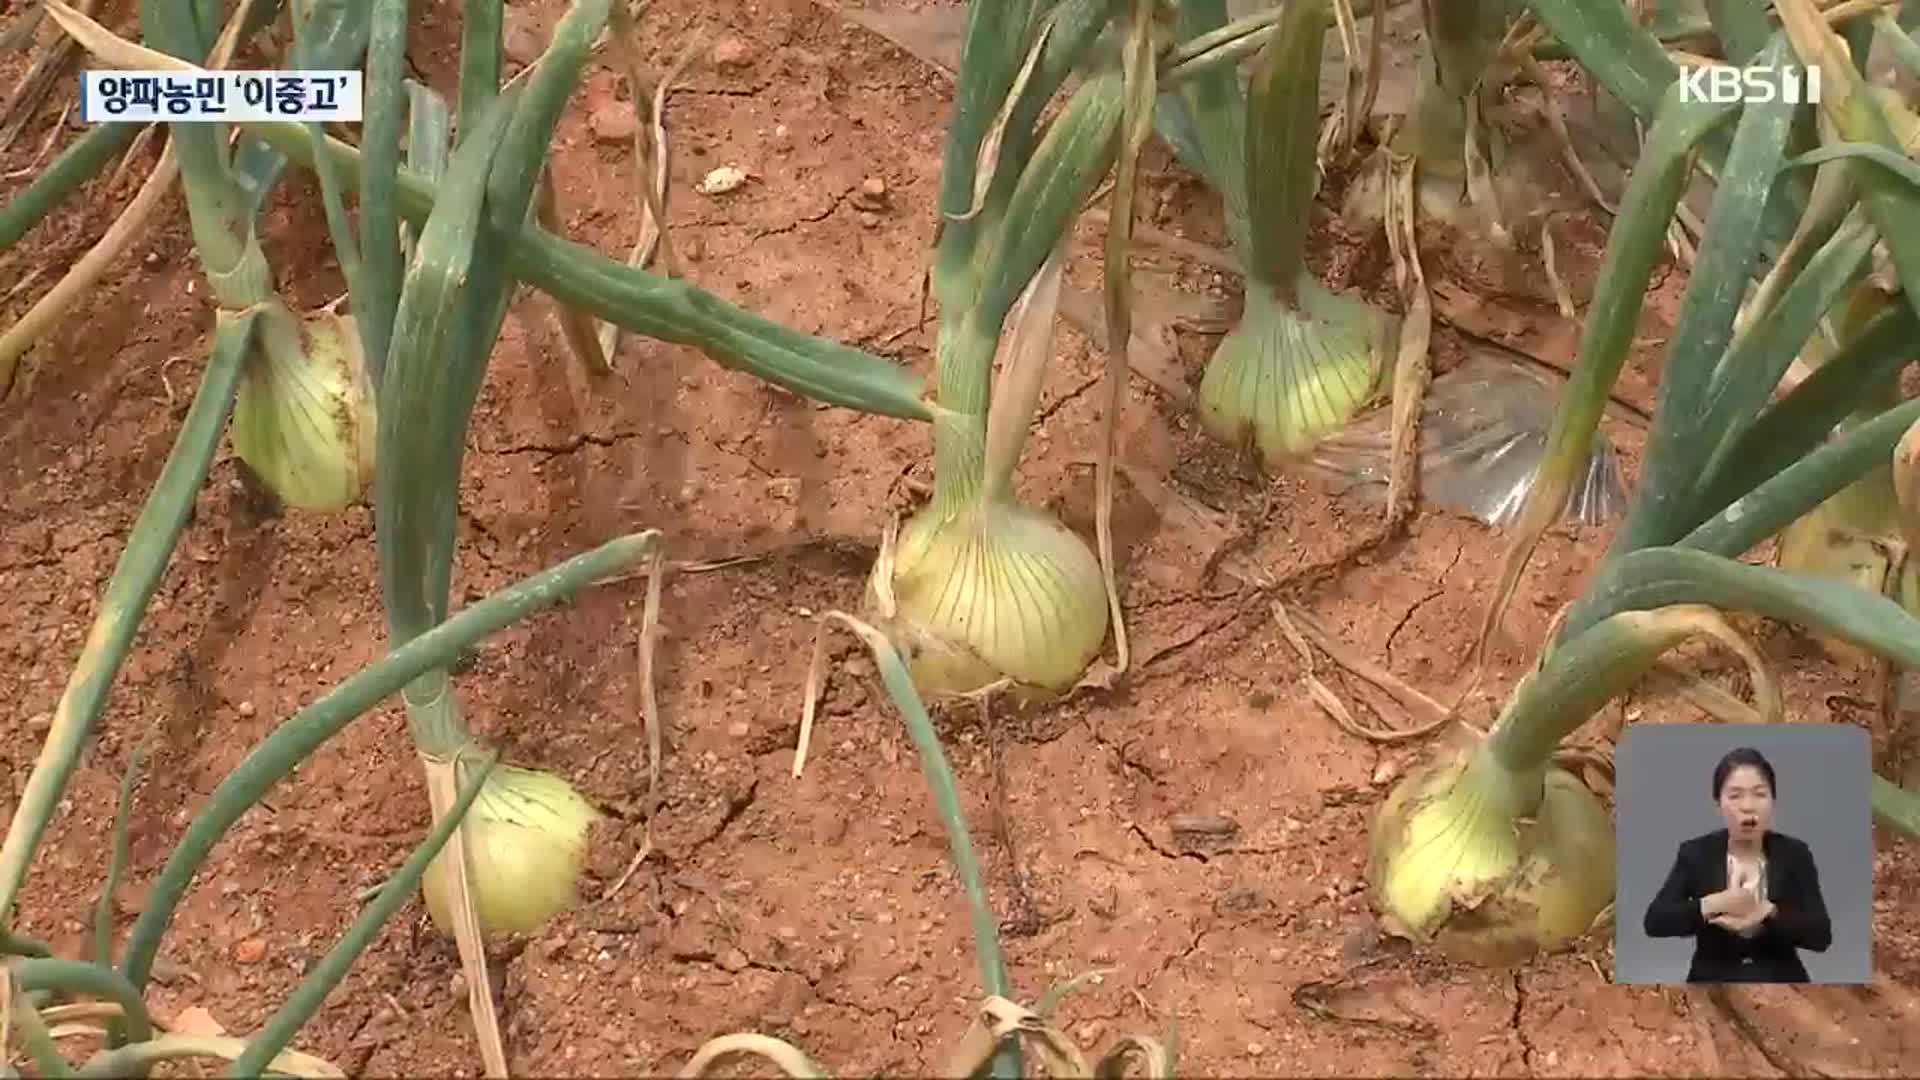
1664	795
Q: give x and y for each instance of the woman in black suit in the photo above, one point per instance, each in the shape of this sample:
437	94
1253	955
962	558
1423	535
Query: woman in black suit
1748	896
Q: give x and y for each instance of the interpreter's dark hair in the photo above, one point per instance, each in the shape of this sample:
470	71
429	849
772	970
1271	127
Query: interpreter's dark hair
1738	756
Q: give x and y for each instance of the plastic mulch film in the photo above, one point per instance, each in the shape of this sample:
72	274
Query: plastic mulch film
1482	434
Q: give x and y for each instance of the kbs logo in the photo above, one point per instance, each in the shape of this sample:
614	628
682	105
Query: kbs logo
1724	85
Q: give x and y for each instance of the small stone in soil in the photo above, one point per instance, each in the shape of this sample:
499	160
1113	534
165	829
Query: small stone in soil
613	122
251	951
869	197
521	38
733	960
196	1020
731	52
720	181
245	709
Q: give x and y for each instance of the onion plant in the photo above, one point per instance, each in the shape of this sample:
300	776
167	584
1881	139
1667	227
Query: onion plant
1303	359
518	859
1491	852
1449	160
1459	155
980	590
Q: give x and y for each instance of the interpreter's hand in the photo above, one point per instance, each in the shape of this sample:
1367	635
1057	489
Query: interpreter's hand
1731	900
1746	924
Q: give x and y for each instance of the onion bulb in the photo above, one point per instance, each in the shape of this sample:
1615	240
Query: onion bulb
1854	537
527	842
1905	474
1455	863
1287	377
1857	535
995	591
304	418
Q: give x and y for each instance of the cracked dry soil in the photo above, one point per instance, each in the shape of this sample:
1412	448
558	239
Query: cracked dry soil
1198	833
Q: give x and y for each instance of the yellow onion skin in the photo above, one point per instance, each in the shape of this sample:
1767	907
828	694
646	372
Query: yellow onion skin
1441	195
304	418
1286	378
1905	475
1454	865
527	835
997	591
1855	535
1851	538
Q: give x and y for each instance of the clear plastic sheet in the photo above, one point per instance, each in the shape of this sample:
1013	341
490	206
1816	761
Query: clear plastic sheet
1482	434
